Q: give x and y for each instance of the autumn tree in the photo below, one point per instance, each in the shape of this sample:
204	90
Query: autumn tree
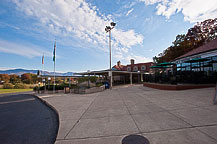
204	31
26	78
196	36
4	77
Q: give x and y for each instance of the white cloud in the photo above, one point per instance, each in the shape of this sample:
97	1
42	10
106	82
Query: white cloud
29	51
127	38
124	55
129	11
138	59
193	10
150	2
77	20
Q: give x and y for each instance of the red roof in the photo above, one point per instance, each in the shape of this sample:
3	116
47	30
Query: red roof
124	67
212	45
119	67
140	64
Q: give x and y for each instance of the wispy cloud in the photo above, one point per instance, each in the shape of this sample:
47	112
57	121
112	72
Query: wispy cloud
80	20
28	50
127	58
193	10
129	11
9	25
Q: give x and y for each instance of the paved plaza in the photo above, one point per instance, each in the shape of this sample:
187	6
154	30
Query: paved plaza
163	117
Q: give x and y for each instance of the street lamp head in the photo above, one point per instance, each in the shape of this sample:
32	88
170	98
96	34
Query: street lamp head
113	24
107	28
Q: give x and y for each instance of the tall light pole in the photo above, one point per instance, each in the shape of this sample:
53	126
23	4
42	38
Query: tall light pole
108	29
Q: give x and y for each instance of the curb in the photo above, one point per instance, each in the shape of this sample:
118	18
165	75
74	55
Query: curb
177	87
54	109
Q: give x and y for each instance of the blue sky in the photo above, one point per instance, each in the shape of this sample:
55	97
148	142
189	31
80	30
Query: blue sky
144	28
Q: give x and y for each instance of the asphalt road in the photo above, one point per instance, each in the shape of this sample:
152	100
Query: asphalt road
24	119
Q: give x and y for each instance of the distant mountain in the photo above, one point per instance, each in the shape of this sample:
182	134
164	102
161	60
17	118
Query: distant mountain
22	71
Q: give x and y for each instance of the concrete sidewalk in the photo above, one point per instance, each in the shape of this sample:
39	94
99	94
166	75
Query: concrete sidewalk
163	117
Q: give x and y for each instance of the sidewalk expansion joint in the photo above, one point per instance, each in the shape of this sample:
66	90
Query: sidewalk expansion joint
81	116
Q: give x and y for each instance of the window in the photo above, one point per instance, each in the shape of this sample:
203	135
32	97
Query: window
128	68
135	68
143	67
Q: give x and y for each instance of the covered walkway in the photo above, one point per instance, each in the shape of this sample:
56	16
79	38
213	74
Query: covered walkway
118	77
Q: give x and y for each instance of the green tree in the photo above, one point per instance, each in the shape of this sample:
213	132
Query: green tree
34	78
14	79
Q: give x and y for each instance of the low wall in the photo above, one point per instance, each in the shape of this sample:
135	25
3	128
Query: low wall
177	87
90	90
48	92
76	90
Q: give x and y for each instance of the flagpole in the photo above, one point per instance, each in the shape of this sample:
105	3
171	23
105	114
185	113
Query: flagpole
54	59
42	68
54	78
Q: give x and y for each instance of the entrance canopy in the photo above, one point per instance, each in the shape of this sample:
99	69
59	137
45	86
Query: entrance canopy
166	64
158	66
105	72
124	76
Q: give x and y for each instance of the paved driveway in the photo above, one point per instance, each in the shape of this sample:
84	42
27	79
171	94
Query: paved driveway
26	120
163	117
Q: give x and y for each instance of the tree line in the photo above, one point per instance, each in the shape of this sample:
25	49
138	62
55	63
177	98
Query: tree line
196	36
26	78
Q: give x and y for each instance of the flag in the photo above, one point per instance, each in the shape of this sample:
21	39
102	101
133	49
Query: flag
54	52
43	59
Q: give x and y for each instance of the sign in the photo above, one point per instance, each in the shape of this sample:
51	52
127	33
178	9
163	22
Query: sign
110	73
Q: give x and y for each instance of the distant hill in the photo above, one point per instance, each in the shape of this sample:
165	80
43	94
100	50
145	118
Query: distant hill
22	71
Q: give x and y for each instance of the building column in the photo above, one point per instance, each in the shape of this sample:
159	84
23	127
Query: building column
138	78
111	81
131	78
141	77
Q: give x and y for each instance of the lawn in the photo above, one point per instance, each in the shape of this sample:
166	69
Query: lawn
2	91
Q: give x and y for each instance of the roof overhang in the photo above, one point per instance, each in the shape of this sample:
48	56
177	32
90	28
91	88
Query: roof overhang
105	72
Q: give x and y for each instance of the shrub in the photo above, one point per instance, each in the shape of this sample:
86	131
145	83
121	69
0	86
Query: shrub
83	79
8	86
35	88
67	85
30	86
20	86
99	84
57	87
